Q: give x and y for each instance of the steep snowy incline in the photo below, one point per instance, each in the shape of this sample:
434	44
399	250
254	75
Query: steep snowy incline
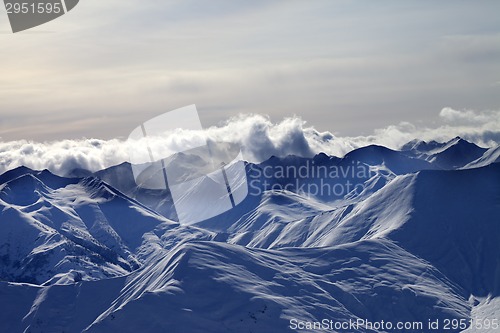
410	247
392	160
34	251
78	229
455	225
216	287
275	211
55	308
418	147
45	176
371	217
449	218
324	178
121	177
492	155
450	155
457	153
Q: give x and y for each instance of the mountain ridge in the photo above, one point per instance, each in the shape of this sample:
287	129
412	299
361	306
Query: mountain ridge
417	243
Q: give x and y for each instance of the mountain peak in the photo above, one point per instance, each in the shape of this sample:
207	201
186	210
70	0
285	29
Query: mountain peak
14	173
458	141
23	190
422	146
456	153
323	158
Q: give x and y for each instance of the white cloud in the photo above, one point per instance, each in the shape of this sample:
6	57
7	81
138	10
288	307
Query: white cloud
482	128
467	116
258	136
62	156
378	64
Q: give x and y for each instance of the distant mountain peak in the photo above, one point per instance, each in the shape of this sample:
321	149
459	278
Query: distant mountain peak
422	146
14	173
324	158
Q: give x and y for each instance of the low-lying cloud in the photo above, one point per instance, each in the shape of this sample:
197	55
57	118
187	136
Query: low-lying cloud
258	137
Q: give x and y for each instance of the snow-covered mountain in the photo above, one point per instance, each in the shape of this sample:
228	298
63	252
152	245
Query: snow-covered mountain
414	238
453	154
62	230
492	155
216	287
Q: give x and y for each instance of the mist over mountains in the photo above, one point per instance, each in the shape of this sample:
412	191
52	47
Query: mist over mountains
259	137
407	235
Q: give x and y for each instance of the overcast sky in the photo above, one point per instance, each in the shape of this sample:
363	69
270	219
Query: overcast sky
348	67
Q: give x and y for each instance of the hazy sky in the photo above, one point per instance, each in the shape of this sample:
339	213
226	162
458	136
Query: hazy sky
344	66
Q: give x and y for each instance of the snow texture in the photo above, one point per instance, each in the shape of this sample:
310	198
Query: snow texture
93	252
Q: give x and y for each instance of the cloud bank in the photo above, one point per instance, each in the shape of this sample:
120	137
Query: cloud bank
258	136
379	64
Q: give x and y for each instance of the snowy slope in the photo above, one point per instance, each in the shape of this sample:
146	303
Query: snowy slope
416	244
369	168
411	205
74	229
211	287
394	161
456	154
492	155
417	147
453	154
121	177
